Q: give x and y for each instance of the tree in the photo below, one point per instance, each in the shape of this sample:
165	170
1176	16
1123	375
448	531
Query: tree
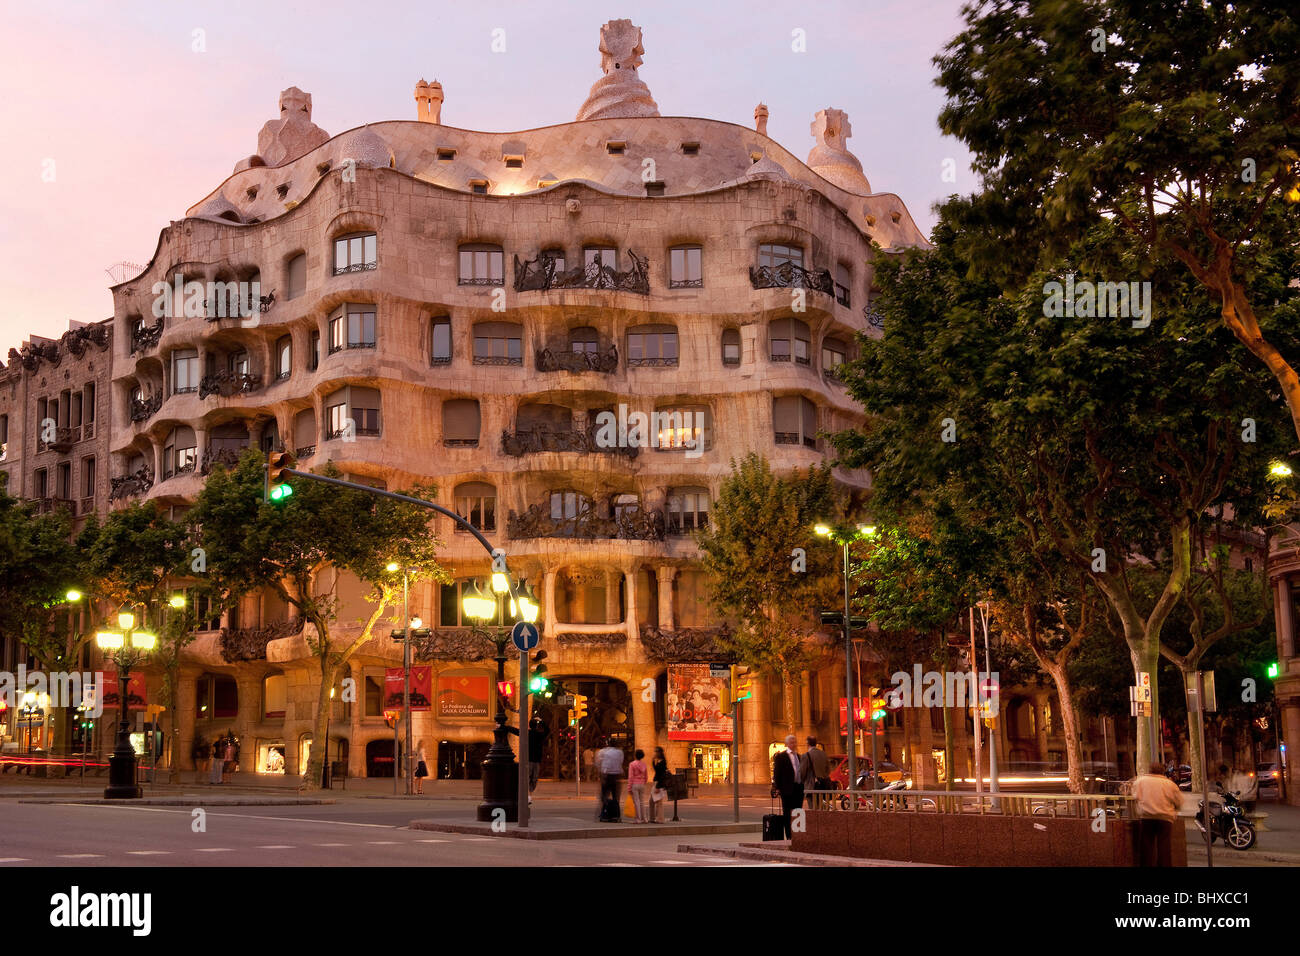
250	544
132	560
1107	444
1178	120
758	524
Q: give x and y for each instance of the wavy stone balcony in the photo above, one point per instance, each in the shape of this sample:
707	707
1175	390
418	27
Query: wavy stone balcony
228	458
790	276
452	644
143	409
541	275
146	337
538	522
684	644
249	643
541	438
560	359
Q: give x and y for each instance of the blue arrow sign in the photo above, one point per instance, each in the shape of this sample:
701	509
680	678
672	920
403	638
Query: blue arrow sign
525	636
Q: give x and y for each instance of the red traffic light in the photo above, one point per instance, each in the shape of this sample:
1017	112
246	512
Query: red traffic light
505	688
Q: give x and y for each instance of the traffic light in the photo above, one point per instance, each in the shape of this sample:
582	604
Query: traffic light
506	688
278	463
537	681
1272	671
579	707
391	715
877	704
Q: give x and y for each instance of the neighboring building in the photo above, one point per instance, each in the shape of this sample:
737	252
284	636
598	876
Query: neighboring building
1284	579
54	440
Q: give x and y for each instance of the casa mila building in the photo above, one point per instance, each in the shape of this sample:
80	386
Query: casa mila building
435	303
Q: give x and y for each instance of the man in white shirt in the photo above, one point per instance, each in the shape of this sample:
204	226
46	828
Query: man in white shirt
609	763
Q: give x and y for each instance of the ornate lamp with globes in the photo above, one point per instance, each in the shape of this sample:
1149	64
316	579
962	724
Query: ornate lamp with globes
127	647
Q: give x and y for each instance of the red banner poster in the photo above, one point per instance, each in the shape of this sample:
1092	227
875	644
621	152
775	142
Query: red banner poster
136	694
421	688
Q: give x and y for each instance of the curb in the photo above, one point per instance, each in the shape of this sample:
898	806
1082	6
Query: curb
588	833
198	801
758	853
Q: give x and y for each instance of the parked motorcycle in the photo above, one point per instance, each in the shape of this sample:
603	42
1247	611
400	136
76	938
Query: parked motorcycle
1227	820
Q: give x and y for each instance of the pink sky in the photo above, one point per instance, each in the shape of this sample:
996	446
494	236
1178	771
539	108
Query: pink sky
140	126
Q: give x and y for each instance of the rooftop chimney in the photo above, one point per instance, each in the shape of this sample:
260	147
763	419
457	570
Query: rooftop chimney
428	102
760	118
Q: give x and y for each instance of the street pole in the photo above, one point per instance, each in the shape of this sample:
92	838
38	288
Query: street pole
1205	776
735	756
993	730
525	698
849	727
977	711
406	676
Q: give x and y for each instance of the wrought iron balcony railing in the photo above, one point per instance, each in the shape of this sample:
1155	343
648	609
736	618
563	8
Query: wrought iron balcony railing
541	438
560	359
227	457
541	274
146	337
130	485
538	522
790	276
142	409
226	384
249	643
357	267
875	318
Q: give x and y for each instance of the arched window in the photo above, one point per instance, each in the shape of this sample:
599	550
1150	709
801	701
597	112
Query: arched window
460	422
296	280
476	502
789	338
774	254
688	509
584	339
275	696
731	346
651	345
498	343
794	421
606	257
481	264
679	427
179	451
685	270
283	357
357	252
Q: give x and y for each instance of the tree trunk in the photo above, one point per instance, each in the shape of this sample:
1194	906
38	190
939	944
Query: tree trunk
1070	719
319	737
171	678
787	699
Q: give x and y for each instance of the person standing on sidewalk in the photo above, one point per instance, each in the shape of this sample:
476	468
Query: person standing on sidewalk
636	783
421	769
609	763
218	760
538	731
816	771
662	781
1158	803
787	771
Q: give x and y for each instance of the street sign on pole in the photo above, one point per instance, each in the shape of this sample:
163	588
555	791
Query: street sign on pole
525	637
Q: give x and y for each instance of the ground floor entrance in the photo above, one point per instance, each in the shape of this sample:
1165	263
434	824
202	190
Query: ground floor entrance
712	762
461	761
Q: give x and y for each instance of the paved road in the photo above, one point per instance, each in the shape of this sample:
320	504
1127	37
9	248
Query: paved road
351	834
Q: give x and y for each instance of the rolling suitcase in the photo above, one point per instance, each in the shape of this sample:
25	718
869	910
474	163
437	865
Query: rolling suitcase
609	811
773	826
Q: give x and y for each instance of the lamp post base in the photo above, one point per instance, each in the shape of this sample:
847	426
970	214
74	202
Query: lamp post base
500	781
121	769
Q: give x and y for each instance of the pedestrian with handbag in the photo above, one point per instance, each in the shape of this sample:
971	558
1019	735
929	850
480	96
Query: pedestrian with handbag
662	782
421	769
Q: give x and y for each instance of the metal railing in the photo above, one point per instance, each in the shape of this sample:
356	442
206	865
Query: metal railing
1063	805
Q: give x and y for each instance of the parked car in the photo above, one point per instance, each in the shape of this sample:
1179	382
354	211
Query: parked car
1269	775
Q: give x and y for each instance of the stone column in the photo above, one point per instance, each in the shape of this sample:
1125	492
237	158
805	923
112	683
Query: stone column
667	615
185	704
249	716
611	596
1285	622
356	750
548	600
632	617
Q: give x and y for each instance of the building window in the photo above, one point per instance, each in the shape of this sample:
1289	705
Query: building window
42	482
185	371
690	149
555	257
315	352
304	433
789	337
446	154
237	363
352	327
283	358
355	253
688	509
834	354
63	481
440	336
602	257
460	422
680	427
4	437
731	346
773	254
356	404
842	280
624	506
584	339
615	147
685	269
481	265
651	345
88	405
498	343
88	478
179	451
476	502
567	507
297	278
450	611
478	187
794	421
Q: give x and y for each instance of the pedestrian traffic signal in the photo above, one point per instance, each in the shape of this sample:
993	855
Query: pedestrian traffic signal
579	707
506	688
278	464
1272	670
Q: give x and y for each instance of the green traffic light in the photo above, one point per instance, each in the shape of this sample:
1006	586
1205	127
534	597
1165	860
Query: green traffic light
281	492
1272	670
877	714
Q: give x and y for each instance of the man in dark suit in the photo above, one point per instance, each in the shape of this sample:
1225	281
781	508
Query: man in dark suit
787	771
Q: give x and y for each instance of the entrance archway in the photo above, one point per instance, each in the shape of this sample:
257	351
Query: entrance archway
379	758
609	716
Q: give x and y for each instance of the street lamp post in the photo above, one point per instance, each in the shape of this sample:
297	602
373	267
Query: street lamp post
127	647
499	766
411	626
845	539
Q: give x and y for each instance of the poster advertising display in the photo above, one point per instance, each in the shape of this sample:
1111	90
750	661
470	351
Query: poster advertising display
135	691
463	692
693	705
421	687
